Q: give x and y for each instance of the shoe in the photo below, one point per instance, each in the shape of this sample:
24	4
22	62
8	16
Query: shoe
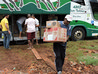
29	48
59	72
9	48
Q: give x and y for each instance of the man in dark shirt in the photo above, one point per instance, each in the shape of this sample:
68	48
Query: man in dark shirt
60	47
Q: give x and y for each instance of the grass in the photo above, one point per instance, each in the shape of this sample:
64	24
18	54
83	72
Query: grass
74	54
88	60
72	51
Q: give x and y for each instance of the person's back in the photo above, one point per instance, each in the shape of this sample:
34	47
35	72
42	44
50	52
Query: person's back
30	22
19	24
21	20
30	25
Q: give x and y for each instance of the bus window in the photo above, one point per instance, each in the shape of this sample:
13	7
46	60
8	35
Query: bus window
79	1
94	6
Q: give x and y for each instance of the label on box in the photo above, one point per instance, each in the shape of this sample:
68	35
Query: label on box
55	35
49	24
50	37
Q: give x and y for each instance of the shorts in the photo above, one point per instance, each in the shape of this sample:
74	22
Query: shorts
36	34
30	35
19	27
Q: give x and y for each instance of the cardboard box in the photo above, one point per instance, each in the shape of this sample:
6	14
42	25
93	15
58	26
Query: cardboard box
38	35
51	24
55	35
42	32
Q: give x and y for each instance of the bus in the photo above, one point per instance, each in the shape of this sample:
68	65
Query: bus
85	19
84	13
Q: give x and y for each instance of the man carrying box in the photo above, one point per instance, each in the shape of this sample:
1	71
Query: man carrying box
60	48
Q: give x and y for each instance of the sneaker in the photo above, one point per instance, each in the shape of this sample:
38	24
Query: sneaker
29	48
60	72
9	48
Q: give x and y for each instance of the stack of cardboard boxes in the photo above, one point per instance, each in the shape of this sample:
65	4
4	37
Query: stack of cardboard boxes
54	33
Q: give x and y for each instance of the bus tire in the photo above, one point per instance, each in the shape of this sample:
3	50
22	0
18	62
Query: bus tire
78	34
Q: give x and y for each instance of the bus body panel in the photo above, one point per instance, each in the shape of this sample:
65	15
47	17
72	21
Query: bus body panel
30	6
82	14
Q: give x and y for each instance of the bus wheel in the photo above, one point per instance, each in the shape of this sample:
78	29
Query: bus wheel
78	34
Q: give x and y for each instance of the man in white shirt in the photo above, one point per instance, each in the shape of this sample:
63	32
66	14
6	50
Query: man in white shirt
30	22
36	28
19	23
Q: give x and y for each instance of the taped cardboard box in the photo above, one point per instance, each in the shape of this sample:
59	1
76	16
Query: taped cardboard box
42	32
51	24
55	35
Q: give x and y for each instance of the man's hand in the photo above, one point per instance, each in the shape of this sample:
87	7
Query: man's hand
67	37
37	25
0	27
9	32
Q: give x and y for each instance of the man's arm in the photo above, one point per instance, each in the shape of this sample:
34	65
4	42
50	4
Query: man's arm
37	25
7	28
67	37
0	26
68	33
25	25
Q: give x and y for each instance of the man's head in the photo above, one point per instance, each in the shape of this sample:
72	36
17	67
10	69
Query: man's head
67	19
29	15
33	16
6	15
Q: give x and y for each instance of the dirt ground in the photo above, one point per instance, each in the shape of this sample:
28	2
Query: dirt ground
21	59
69	67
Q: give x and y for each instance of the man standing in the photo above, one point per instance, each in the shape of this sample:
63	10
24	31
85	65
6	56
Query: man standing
30	22
60	48
6	31
36	28
19	23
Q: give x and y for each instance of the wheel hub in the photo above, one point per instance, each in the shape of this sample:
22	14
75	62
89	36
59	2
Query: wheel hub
78	35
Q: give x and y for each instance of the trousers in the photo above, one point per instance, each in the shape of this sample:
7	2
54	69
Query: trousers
60	52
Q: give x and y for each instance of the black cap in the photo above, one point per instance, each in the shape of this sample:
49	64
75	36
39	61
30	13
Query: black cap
5	15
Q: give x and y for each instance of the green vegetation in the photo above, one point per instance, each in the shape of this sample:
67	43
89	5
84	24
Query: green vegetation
73	51
96	16
75	54
89	60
